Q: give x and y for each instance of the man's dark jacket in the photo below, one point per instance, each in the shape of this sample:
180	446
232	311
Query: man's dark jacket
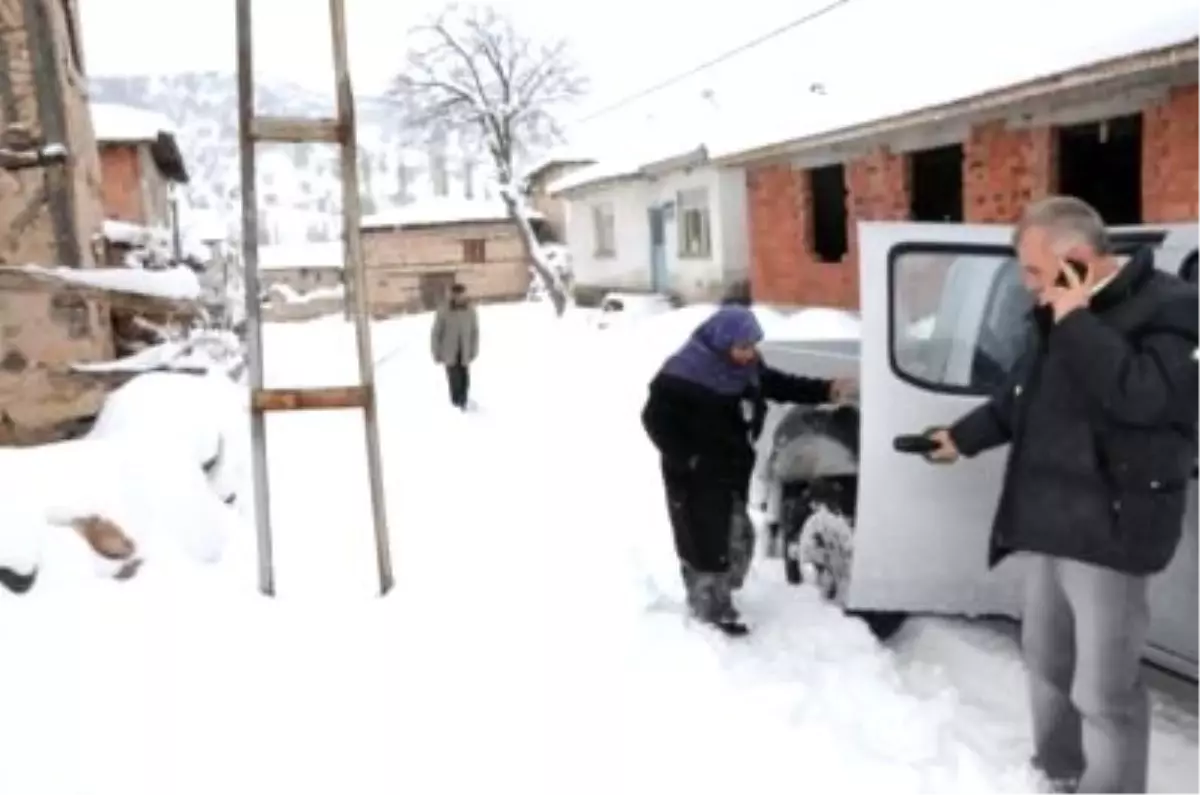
1101	414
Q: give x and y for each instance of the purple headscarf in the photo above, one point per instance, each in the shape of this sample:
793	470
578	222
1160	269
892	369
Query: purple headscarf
704	359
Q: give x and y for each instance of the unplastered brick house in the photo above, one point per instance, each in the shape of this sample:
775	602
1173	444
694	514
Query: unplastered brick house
1120	133
414	253
139	161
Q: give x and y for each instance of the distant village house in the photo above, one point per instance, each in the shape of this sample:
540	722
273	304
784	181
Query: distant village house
416	252
140	164
301	281
675	225
553	208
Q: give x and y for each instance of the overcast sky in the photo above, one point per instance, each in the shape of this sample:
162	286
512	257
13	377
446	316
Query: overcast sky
867	58
622	44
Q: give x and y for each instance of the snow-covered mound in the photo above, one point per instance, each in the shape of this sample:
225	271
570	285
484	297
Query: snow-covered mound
815	324
165	462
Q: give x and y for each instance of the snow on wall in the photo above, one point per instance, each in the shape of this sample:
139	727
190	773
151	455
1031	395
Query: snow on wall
121	123
441	210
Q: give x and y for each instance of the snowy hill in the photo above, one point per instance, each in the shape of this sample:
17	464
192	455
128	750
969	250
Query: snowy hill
299	188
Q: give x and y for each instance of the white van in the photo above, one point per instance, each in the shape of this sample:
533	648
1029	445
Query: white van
942	308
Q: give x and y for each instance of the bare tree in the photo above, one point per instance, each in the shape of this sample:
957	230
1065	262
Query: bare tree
469	73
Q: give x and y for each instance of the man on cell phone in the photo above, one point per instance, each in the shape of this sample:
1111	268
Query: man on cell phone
1100	413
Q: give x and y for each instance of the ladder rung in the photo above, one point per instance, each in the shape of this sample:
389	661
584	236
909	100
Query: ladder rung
295	130
326	397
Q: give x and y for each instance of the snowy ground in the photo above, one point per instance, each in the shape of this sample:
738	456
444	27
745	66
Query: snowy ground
516	650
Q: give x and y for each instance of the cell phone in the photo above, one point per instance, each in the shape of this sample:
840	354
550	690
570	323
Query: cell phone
1080	269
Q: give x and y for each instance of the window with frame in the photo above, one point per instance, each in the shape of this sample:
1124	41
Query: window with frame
959	317
695	228
474	251
604	230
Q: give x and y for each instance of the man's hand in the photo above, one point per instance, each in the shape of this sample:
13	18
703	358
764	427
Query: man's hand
947	451
843	390
1076	295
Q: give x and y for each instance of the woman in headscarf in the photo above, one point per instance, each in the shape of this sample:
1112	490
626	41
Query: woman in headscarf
704	412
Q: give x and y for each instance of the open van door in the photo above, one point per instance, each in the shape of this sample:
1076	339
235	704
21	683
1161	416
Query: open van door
942	322
921	536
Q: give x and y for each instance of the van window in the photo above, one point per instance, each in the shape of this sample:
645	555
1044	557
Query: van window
959	317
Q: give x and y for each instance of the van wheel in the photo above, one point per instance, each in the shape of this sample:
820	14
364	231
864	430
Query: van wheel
883	623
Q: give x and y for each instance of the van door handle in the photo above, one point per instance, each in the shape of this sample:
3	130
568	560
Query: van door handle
914	444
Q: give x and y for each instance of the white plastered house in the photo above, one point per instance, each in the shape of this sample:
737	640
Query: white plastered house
675	225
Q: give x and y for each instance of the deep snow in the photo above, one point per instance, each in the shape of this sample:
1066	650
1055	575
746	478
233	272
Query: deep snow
529	539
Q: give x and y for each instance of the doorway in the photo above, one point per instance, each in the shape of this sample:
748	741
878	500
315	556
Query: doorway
658	250
1101	163
434	289
936	185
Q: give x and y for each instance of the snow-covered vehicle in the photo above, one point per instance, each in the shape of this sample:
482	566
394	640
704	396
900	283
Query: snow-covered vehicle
880	531
620	307
812	469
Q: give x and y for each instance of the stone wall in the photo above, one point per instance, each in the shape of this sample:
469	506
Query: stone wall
43	330
49	215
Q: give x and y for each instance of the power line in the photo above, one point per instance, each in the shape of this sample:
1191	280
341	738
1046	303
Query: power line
749	45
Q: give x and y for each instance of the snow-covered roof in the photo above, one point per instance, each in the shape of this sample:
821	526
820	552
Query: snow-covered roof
850	67
646	164
659	136
283	256
439	211
930	65
134	234
177	283
126	124
558	157
606	171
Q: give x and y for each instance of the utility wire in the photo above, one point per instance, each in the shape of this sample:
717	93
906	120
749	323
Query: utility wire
795	23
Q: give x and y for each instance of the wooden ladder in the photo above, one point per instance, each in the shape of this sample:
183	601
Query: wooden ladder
253	129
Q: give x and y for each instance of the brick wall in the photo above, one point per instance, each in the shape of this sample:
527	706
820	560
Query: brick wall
1003	170
1169	157
120	183
395	260
784	267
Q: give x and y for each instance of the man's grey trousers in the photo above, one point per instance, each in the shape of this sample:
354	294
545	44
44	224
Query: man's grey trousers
1083	632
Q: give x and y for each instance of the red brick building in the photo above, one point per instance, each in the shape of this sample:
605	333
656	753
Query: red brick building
1121	134
139	160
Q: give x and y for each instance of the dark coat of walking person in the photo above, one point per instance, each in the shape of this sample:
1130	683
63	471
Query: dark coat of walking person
455	343
703	416
1100	417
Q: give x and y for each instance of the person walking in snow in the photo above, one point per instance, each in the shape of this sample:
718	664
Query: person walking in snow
701	415
1100	416
455	343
